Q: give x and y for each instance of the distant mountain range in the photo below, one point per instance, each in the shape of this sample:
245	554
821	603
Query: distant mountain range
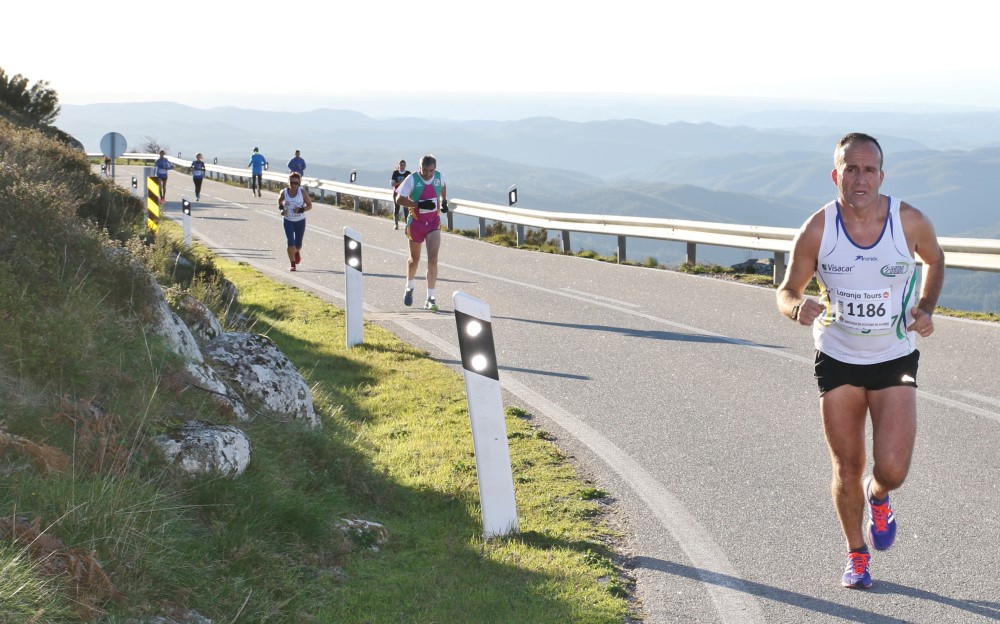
757	171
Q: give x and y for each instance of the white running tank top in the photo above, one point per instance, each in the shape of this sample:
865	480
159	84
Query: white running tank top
868	292
292	203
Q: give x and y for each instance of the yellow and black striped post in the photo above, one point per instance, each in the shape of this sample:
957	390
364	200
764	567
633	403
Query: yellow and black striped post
152	204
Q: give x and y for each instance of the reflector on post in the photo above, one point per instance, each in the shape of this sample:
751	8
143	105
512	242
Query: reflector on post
186	218
489	430
353	287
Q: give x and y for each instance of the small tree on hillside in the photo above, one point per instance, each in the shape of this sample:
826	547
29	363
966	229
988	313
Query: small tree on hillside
38	102
151	145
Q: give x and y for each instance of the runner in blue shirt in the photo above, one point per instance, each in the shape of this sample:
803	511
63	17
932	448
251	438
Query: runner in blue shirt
257	166
162	167
198	174
297	164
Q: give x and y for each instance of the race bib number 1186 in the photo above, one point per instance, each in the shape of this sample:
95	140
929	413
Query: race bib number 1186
864	310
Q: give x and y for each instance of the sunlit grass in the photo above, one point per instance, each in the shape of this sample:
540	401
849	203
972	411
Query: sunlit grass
406	418
26	595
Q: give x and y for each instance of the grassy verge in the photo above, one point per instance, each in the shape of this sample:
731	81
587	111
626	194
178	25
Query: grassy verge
396	449
133	539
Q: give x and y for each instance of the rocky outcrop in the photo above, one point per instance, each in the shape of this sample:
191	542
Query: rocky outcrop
182	341
238	365
200	321
756	266
264	373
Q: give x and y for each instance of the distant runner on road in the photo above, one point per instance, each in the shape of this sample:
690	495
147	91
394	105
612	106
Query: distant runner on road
297	164
162	166
257	165
293	203
423	193
398	175
198	175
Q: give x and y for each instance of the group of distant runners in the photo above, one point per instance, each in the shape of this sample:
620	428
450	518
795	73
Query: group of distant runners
421	197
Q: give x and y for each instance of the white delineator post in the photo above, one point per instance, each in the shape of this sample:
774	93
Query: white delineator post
353	288
186	220
489	430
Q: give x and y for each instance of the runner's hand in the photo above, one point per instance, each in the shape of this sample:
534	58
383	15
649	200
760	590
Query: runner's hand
922	322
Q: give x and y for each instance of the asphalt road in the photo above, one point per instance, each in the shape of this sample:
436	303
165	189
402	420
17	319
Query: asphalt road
693	403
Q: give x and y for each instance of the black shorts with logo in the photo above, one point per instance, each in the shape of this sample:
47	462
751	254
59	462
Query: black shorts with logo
831	373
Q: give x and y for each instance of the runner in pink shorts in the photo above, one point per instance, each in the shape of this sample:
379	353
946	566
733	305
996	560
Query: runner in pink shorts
423	194
417	228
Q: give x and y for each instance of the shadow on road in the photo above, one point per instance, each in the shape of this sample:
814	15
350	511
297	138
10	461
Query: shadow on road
646	333
530	371
986	609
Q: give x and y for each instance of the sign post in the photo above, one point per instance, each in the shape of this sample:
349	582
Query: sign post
152	204
113	145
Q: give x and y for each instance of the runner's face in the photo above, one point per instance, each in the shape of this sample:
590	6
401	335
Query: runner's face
426	171
859	175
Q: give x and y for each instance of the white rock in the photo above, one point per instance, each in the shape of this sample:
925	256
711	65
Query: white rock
365	533
199	448
263	372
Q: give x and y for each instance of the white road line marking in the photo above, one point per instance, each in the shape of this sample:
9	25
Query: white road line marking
608	299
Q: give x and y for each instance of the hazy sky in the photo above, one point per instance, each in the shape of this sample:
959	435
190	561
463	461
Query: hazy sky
209	53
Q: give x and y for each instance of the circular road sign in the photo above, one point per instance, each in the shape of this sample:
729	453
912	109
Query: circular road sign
113	145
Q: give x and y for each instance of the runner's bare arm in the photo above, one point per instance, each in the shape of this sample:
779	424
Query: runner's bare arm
790	296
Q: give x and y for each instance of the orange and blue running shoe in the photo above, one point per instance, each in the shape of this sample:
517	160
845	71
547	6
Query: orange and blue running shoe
856	575
881	520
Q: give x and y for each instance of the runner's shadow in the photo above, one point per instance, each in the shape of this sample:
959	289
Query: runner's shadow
420	279
644	333
984	608
532	371
259	254
770	592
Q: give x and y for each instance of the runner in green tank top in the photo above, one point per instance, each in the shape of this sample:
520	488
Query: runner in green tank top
423	193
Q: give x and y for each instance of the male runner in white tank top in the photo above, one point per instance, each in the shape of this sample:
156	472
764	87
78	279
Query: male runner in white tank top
861	249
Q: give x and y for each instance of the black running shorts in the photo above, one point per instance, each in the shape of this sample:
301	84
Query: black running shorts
831	373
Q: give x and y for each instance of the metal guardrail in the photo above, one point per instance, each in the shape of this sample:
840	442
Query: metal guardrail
978	254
